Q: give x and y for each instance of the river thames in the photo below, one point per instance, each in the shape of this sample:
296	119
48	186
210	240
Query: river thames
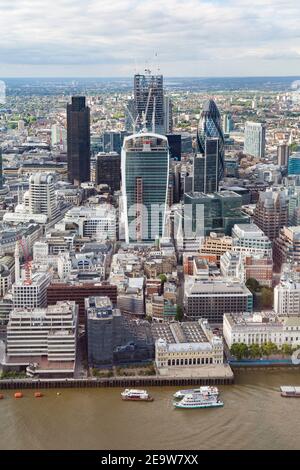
254	416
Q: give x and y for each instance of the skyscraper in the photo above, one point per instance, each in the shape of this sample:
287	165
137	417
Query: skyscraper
210	128
271	212
42	198
294	164
78	137
255	139
145	180
283	152
228	124
108	170
205	167
149	99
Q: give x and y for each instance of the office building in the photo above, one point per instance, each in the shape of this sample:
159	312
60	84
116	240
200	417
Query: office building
43	339
205	168
255	139
210	127
145	182
113	339
30	292
174	141
283	152
78	291
271	212
108	170
217	212
287	298
149	103
96	221
210	299
42	199
78	138
294	164
228	124
286	247
250	239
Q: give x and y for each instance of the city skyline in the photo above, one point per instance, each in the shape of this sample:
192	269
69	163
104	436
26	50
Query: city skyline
120	38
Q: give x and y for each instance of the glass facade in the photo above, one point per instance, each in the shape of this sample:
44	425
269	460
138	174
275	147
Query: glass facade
210	127
294	164
145	179
206	175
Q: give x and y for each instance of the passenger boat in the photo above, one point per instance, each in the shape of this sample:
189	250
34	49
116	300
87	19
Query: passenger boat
209	391
197	400
136	395
290	391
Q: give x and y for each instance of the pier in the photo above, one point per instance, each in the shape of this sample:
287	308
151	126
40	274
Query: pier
122	382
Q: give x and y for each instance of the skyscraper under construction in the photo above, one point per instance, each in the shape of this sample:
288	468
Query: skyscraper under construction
150	109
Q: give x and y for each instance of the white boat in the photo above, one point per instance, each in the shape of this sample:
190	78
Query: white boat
197	400
136	395
207	391
290	391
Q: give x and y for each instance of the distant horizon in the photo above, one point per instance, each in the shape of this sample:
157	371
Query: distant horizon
201	77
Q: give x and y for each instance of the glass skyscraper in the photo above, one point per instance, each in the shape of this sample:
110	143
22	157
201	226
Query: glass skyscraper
145	180
205	167
294	164
78	137
255	139
210	127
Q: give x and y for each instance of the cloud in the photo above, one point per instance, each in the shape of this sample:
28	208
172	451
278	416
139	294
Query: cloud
188	35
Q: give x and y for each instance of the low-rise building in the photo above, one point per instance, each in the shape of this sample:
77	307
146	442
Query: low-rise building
261	328
185	346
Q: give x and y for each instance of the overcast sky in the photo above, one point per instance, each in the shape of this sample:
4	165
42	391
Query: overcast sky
119	37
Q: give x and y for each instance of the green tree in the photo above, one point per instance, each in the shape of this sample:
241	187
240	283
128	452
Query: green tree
239	350
255	351
179	313
287	349
163	278
266	298
252	284
269	348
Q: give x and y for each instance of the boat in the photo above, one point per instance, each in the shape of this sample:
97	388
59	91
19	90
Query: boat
38	395
18	395
197	400
136	395
1	396
290	391
210	391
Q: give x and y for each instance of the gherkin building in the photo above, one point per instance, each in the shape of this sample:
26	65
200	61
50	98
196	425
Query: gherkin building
210	127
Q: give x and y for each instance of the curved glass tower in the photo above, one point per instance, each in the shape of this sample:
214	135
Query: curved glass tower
145	179
210	127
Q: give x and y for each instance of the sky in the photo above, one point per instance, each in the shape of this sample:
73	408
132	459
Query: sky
196	38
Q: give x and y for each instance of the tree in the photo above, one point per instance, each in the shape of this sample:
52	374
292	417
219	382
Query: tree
163	278
254	350
287	349
269	348
239	350
266	297
252	284
179	313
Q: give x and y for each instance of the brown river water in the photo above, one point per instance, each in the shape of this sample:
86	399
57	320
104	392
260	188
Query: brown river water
254	416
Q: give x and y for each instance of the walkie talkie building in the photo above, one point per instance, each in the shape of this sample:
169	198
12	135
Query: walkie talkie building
145	179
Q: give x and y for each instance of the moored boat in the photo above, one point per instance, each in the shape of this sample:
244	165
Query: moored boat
197	400
290	391
130	394
205	390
